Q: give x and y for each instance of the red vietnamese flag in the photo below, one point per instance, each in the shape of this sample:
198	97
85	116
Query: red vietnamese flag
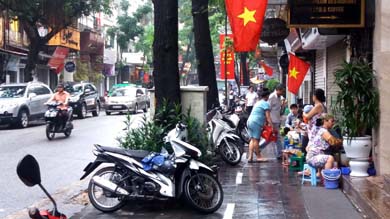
297	70
268	70
246	20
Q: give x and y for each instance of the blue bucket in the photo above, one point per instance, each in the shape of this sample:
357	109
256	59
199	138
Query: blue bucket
345	170
331	178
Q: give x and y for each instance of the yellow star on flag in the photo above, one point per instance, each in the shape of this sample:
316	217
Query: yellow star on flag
248	16
294	73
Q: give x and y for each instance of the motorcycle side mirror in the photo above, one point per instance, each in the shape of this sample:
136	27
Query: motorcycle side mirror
28	171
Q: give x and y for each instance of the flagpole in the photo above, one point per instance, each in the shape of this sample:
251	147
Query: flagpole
225	63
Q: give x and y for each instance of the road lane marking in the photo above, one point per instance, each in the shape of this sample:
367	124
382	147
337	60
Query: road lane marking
239	178
229	211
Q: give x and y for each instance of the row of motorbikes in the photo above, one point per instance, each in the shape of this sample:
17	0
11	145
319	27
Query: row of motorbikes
180	175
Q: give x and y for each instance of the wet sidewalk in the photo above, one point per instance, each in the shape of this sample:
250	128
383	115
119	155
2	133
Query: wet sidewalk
252	191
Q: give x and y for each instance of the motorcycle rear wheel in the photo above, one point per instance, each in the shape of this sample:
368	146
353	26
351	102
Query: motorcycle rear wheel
112	203
203	192
230	152
50	132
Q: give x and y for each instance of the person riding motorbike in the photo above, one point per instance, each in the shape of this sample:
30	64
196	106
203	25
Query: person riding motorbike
61	97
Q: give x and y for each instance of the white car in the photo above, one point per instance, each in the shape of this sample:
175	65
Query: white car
126	99
21	103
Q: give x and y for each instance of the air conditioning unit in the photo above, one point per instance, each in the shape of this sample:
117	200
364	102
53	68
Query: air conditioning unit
314	38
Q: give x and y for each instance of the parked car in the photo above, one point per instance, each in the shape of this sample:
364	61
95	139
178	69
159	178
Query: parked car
22	103
84	98
117	86
126	99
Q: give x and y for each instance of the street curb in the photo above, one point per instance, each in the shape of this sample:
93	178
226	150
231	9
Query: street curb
70	200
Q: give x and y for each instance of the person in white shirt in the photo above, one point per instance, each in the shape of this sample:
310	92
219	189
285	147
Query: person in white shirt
276	105
250	99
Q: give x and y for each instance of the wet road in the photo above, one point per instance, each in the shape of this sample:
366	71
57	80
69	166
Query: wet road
61	160
258	190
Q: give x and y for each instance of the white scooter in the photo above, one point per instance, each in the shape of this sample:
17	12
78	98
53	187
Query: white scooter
223	137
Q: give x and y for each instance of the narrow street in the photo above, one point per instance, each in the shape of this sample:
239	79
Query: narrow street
61	160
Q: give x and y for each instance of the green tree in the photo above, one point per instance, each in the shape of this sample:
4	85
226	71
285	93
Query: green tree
145	43
53	15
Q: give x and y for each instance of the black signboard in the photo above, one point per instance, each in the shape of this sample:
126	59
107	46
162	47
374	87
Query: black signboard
326	13
274	30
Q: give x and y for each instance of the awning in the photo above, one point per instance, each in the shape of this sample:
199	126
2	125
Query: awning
256	81
58	59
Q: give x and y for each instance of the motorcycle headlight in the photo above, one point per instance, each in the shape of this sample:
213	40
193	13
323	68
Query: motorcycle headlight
74	98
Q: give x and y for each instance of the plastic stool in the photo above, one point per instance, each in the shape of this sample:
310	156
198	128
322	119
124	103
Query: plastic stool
298	161
313	175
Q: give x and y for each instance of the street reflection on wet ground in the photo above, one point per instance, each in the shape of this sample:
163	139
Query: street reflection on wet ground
251	190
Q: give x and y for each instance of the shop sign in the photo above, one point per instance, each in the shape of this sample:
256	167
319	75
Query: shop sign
69	38
70	66
274	30
326	13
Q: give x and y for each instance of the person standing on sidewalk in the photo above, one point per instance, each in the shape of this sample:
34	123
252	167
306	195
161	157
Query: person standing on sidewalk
259	116
250	99
313	116
276	105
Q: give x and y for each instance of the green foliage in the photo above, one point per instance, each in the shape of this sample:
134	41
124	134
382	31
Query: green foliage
168	115
128	27
271	84
150	135
85	73
358	99
145	43
53	13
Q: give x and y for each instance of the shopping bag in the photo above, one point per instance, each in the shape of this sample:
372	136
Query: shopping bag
269	134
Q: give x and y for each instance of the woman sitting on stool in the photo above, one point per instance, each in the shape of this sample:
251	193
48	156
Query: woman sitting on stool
322	141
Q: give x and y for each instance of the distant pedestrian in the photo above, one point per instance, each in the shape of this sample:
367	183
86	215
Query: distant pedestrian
250	99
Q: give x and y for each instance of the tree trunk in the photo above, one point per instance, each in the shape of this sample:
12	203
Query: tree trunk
165	52
244	68
32	58
204	51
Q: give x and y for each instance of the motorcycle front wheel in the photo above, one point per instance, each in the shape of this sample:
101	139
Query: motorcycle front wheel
67	132
244	134
230	152
50	131
203	192
102	199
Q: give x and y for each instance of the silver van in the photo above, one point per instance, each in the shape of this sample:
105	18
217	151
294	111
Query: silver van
21	103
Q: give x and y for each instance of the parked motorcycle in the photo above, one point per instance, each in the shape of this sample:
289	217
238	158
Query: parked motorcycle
29	173
223	138
181	174
54	123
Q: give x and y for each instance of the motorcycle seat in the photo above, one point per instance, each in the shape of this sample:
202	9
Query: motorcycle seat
137	154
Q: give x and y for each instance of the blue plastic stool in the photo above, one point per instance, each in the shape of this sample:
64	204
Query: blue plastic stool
313	175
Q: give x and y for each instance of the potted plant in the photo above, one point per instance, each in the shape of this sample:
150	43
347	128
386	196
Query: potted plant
357	103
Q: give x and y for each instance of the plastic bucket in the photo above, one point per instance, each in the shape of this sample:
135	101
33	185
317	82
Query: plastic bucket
331	178
345	170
